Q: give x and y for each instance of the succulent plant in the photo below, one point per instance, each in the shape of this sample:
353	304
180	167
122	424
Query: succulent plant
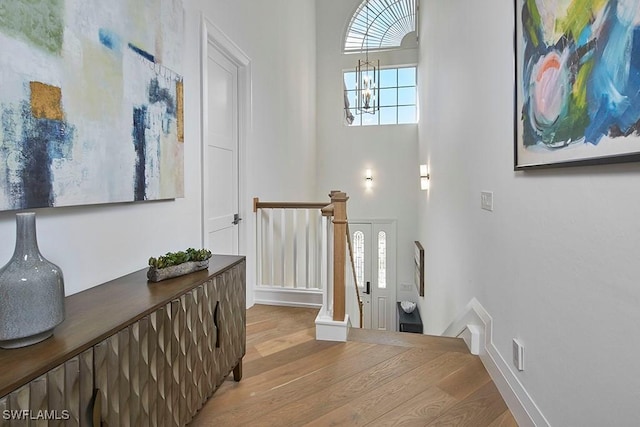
175	258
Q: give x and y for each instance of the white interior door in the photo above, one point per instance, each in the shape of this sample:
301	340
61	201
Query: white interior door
221	211
374	257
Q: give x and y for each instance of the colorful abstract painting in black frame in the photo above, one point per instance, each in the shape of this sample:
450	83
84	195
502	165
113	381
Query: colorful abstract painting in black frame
577	75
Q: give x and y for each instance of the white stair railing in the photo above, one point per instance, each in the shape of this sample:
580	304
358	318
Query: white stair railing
305	257
327	262
292	252
341	305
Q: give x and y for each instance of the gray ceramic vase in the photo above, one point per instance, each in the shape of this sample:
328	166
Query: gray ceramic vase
31	290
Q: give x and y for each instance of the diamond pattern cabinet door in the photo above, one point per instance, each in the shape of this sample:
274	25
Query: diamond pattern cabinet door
160	384
177	362
201	345
56	387
29	397
219	355
195	356
4	406
212	371
154	355
124	384
188	381
166	406
85	388
232	318
139	370
107	379
61	397
122	374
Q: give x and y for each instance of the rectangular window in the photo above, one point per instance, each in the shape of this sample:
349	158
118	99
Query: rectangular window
398	98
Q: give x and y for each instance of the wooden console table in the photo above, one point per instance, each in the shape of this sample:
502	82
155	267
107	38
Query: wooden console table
132	352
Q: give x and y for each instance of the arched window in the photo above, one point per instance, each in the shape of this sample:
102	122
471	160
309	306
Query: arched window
380	24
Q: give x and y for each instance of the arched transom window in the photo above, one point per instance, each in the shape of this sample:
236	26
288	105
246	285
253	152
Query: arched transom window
380	24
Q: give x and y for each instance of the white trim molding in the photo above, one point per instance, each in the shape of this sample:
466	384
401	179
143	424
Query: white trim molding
272	295
470	326
475	326
328	329
213	35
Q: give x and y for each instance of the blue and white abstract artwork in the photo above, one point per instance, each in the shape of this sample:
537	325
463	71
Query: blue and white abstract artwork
91	102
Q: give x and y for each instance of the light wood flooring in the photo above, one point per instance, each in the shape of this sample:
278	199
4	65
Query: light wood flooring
376	378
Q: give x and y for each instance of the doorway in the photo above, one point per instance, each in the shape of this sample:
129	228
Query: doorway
226	82
221	171
374	247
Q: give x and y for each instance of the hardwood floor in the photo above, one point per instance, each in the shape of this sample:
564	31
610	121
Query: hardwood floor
376	378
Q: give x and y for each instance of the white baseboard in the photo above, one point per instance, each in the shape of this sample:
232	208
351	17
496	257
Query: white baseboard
475	320
470	326
288	297
471	336
328	329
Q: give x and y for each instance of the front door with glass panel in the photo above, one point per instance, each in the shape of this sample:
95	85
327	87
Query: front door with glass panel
374	258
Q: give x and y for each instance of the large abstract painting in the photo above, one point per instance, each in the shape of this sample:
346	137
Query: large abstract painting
91	102
577	82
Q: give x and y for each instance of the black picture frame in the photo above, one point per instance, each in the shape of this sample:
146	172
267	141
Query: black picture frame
419	267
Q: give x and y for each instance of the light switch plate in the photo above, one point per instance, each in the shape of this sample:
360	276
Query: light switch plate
486	200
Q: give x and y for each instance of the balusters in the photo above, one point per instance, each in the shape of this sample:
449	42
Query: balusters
289	247
295	249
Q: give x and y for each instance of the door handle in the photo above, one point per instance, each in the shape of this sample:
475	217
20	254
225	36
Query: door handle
368	288
216	319
236	219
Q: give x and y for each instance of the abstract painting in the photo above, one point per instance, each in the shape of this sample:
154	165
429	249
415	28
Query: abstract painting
91	102
577	82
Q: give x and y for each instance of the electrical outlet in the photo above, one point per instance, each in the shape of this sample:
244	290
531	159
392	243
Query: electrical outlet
486	200
518	354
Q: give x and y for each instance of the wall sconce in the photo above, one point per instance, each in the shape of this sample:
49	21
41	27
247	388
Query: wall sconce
424	177
368	179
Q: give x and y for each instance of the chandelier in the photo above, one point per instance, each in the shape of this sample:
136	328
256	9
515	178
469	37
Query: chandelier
367	78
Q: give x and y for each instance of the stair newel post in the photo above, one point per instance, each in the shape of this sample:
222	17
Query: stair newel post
339	202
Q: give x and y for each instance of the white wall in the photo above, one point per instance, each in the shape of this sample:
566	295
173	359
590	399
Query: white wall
94	244
279	38
344	153
556	263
